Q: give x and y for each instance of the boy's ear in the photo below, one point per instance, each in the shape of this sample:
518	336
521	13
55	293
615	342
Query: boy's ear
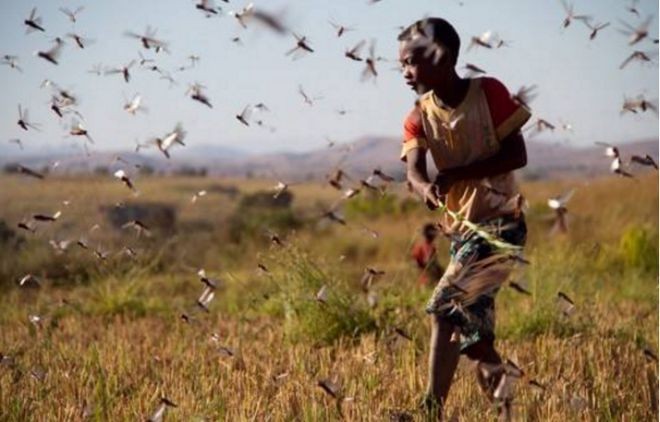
445	59
446	56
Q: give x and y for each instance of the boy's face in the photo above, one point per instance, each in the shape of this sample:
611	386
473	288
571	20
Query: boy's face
423	71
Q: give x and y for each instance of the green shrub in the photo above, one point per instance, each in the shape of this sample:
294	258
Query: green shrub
638	248
298	279
372	205
260	211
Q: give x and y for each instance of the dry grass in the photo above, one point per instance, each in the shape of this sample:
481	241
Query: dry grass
118	343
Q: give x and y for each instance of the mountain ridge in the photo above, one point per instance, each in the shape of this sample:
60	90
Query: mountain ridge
545	160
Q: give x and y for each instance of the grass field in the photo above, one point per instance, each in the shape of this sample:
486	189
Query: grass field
110	341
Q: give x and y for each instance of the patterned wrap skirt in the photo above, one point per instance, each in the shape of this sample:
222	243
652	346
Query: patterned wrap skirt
476	321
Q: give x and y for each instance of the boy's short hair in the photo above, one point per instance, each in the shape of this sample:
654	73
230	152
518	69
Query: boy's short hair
438	29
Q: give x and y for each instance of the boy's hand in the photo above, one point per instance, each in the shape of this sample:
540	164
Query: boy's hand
432	195
435	192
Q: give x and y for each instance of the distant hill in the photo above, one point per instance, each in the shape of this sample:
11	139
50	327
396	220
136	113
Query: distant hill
545	160
357	157
552	160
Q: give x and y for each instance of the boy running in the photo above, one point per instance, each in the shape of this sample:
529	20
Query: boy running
471	128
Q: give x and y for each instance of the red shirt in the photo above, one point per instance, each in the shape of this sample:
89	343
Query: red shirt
424	254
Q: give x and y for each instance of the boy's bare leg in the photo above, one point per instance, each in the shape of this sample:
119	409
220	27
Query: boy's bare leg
484	352
443	359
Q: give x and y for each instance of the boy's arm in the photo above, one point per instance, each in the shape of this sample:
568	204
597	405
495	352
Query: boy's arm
511	156
418	177
414	154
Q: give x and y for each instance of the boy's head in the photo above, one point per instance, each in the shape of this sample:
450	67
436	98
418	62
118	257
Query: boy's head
430	232
428	52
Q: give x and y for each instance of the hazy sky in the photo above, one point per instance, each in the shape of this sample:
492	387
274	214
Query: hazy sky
579	81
